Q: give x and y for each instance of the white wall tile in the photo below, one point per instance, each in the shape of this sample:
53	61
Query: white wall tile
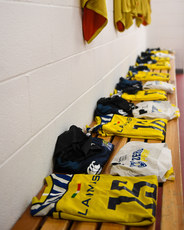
14	116
50	92
67	35
75	3
82	73
22	176
167	27
25	38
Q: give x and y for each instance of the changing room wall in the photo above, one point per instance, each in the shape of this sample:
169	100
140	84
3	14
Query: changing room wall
167	27
50	79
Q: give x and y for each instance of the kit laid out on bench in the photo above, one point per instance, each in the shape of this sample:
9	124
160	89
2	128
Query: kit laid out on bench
149	204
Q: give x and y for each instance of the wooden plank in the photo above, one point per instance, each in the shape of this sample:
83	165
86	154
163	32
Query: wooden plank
112	226
172	210
84	225
55	224
173	206
149	227
27	221
137	139
172	73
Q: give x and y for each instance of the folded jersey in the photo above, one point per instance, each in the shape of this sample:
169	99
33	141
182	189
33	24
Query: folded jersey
131	127
146	95
142	159
98	198
156	109
165	65
167	87
148	76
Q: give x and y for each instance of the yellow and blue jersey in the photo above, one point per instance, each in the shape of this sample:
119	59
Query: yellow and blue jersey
99	198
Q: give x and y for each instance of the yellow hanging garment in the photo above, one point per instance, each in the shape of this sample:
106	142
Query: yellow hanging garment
94	18
142	11
122	14
147	13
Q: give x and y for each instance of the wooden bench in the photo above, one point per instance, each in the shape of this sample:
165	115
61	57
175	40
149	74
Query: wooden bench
170	206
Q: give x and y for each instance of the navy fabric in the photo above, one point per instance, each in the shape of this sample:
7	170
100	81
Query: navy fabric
138	68
135	69
113	105
129	86
144	60
146	54
153	49
75	152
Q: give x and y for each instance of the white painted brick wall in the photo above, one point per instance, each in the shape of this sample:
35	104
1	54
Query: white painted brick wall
167	27
50	79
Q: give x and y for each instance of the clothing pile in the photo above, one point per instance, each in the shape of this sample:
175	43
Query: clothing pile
76	152
113	105
154	59
156	109
160	85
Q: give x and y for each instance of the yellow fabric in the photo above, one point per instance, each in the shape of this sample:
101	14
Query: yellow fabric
131	127
170	174
147	13
107	198
177	112
148	76
122	14
146	95
160	51
142	12
99	8
46	191
161	59
158	66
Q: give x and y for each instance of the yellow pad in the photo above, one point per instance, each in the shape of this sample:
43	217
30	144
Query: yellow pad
99	198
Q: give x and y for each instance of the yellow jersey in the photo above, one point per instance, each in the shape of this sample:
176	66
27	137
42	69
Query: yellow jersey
99	198
118	125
